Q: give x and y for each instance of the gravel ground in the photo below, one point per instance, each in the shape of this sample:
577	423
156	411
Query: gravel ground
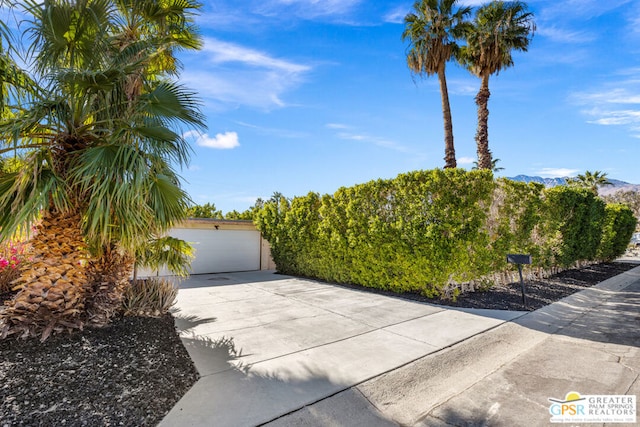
541	292
537	293
129	374
132	373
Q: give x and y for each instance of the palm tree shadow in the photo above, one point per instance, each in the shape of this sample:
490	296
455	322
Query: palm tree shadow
188	322
212	356
614	322
286	391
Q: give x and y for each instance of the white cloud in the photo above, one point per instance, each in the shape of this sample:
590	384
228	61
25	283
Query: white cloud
282	133
348	133
581	9
556	172
564	35
473	3
229	75
615	103
221	52
620	95
336	126
464	87
396	16
466	160
617	117
377	141
310	9
222	141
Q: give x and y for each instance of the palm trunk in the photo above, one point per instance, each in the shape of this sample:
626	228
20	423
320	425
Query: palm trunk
482	134
109	278
54	284
449	149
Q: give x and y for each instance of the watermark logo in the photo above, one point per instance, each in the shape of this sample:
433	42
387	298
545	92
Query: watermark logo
577	408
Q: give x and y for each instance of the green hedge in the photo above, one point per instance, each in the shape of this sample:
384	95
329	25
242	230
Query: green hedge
424	230
570	226
618	227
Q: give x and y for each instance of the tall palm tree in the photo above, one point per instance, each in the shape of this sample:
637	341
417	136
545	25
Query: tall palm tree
432	30
592	181
498	29
100	133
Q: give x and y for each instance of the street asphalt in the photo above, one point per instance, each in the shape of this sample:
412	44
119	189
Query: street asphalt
281	351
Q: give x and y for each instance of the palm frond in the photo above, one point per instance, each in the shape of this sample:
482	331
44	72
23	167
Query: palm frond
172	102
24	194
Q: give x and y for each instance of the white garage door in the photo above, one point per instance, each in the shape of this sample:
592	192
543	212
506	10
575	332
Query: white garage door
222	251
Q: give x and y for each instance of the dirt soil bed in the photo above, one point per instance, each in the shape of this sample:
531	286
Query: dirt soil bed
133	373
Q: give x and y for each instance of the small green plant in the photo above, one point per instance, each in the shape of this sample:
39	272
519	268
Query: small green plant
151	297
174	254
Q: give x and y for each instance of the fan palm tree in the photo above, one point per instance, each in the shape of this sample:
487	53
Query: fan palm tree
592	181
494	165
498	29
432	30
99	133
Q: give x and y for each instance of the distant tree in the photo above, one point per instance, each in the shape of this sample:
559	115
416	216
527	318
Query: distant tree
498	28
590	180
208	210
494	165
246	215
630	198
249	214
432	30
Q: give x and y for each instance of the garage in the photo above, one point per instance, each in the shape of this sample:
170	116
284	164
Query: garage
221	251
223	246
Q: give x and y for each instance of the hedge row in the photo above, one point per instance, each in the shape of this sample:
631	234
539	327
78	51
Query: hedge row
425	230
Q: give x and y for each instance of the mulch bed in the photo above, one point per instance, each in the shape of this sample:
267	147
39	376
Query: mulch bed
538	293
129	374
133	373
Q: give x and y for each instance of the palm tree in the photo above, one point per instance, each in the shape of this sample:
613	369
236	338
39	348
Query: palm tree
432	30
498	28
592	181
494	165
99	133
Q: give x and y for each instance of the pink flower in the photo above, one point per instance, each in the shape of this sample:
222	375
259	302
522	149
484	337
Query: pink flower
3	263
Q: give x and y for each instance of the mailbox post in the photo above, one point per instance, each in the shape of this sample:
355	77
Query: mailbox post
519	260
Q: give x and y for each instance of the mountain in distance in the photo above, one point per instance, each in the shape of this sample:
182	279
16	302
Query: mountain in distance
547	182
616	184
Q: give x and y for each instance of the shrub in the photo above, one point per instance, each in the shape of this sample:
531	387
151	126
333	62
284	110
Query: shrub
618	227
570	226
12	259
151	297
416	232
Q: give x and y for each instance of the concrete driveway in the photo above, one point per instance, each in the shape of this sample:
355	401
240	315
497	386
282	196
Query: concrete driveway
266	345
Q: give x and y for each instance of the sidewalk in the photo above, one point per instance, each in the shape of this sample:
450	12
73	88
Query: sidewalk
266	345
587	343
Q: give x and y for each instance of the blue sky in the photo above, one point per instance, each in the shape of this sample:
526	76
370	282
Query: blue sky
312	95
